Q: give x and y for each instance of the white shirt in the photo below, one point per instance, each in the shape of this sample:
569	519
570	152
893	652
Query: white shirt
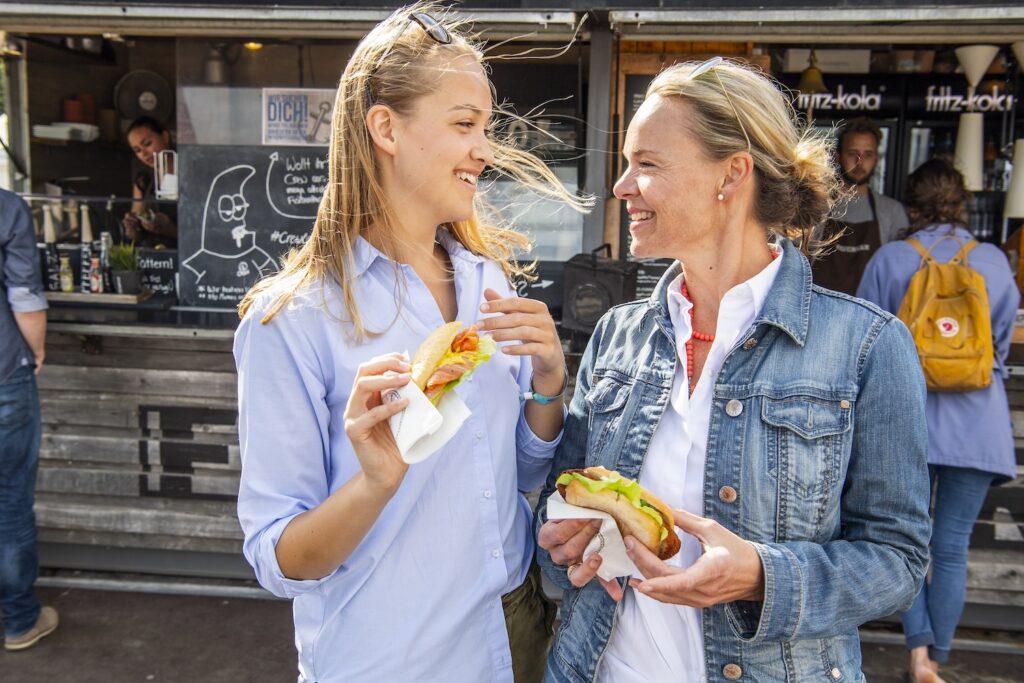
653	641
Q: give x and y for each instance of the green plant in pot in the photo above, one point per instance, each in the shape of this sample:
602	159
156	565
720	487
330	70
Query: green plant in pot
124	267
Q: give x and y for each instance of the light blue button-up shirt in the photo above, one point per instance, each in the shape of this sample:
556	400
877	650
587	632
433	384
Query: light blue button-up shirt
420	597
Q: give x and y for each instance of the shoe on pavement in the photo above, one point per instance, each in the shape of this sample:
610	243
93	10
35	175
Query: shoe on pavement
44	626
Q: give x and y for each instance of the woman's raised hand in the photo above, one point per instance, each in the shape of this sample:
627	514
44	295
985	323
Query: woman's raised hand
529	322
729	569
366	420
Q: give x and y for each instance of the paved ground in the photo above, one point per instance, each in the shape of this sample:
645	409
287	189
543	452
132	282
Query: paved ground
115	637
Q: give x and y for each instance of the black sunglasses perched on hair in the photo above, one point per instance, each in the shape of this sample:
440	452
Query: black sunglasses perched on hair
432	26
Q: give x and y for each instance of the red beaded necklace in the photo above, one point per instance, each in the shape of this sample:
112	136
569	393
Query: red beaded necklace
699	336
694	334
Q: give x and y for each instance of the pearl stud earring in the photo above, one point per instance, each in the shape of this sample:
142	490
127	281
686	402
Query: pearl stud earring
721	196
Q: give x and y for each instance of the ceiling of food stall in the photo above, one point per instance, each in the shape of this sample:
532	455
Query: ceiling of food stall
278	21
914	25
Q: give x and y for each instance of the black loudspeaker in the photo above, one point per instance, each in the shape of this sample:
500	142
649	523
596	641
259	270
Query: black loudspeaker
592	285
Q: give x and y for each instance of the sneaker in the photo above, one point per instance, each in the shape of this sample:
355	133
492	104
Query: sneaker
45	625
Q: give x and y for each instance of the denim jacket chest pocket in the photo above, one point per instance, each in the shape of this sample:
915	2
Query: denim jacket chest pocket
606	402
805	438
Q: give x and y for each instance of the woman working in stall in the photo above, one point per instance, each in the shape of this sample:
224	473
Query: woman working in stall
397	572
782	421
149	224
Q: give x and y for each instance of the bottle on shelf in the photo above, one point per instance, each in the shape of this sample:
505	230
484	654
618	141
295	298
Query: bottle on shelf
95	276
86	250
67	277
53	282
106	242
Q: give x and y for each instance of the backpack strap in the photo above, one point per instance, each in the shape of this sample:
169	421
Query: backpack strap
926	256
965	249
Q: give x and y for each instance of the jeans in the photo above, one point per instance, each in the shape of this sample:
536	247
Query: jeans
958	494
19	460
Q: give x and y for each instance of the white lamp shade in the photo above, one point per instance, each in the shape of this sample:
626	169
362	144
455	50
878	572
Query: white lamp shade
1014	207
975	59
1018	52
969	155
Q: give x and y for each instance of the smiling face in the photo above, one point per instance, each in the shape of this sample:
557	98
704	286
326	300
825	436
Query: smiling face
441	144
146	143
670	186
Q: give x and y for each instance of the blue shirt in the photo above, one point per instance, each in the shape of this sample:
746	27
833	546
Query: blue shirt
21	282
420	597
970	428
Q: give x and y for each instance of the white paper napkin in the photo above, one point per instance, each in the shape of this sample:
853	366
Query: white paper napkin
607	543
421	429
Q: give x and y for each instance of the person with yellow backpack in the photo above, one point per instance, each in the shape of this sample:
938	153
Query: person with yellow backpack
959	300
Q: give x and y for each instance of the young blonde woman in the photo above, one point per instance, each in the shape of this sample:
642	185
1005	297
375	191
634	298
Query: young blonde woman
784	422
401	573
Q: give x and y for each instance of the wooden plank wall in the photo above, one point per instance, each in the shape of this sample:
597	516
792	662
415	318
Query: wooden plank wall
140	444
140	450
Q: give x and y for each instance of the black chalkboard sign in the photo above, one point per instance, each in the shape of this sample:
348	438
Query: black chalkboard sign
240	209
159	268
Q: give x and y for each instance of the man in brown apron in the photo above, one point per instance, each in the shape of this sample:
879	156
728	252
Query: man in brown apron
870	219
842	269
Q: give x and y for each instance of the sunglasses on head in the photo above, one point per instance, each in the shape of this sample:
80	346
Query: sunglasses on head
706	66
431	26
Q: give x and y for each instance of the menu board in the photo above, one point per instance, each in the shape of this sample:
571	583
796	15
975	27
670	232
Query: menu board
241	209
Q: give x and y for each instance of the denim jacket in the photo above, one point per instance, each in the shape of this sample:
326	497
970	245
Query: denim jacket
817	424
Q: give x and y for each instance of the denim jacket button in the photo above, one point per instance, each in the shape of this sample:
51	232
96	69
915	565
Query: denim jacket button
727	494
844	404
732	671
836	673
750	343
733	408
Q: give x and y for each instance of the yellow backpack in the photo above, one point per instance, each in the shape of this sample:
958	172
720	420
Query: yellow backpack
946	310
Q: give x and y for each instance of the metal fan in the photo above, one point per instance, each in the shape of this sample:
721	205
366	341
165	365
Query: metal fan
144	93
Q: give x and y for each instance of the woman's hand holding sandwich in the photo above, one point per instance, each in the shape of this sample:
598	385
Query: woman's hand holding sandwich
729	569
566	539
366	421
529	322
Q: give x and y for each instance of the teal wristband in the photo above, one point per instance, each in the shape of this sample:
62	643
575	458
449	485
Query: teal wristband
541	399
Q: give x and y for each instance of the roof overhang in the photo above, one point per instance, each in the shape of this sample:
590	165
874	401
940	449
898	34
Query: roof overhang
248	21
922	24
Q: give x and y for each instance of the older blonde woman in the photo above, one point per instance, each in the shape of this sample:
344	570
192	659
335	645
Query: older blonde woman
784	422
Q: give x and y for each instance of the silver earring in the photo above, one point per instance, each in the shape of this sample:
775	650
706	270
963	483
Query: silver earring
721	196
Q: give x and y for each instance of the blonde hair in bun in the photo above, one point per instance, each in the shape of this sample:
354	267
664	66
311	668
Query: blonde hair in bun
797	183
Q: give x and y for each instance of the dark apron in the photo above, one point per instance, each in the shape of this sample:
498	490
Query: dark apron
842	269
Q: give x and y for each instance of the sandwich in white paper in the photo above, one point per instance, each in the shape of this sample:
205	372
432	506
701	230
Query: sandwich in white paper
421	429
598	493
607	543
435	412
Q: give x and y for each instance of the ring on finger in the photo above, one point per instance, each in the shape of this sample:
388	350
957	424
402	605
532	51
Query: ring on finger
571	568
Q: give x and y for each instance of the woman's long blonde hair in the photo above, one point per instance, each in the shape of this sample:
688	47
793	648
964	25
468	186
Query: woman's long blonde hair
387	68
734	109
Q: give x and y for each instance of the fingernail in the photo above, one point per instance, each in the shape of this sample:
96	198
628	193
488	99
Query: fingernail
644	589
629	544
592	562
596	525
484	308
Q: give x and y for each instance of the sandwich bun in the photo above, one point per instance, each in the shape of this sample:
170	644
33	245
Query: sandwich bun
632	521
431	351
